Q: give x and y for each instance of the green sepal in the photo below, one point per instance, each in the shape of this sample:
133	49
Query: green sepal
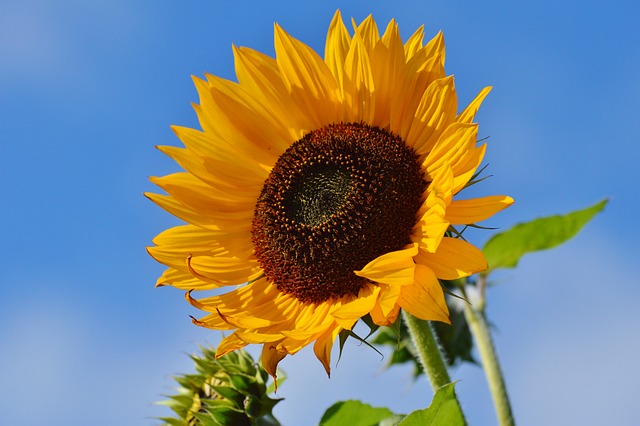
220	417
245	383
230	390
373	327
230	394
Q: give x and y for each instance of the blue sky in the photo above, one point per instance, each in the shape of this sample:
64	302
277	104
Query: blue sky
88	88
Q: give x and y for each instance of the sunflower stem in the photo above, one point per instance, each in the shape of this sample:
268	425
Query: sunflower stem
429	352
477	321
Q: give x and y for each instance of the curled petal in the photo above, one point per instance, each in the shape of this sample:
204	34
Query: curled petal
453	259
425	298
476	209
323	345
393	268
271	357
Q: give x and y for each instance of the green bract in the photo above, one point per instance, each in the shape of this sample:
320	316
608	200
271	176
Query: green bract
230	390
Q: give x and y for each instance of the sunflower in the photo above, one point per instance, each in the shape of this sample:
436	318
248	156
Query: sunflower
320	191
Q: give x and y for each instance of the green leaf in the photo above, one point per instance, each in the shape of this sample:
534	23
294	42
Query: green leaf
505	249
443	411
354	413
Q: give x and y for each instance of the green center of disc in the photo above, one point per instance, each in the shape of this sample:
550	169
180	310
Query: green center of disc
318	194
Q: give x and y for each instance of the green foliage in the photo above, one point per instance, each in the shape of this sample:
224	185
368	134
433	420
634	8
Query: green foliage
397	337
444	410
502	251
455	341
356	413
505	249
230	390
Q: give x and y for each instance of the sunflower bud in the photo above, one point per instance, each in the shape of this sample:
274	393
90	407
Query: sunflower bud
230	390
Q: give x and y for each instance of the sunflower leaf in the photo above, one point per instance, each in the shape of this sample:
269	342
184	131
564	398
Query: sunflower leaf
505	249
444	410
355	413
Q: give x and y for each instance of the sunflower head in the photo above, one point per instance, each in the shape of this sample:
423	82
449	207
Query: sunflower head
324	188
345	191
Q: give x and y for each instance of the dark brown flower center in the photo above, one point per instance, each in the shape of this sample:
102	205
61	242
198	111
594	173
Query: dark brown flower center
335	200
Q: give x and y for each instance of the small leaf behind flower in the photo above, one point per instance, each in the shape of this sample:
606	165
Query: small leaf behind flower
505	249
443	411
354	413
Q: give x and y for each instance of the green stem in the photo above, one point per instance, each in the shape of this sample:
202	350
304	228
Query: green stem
480	330
428	350
424	340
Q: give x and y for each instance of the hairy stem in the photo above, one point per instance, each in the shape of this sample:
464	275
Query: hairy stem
430	355
429	352
480	330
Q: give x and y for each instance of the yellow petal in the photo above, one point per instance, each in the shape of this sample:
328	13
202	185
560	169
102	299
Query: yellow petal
384	320
414	43
213	322
183	212
182	280
435	48
393	268
454	258
432	224
425	298
307	77
248	123
218	172
470	111
254	337
417	74
388	298
271	356
237	300
337	47
348	313
221	103
198	240
311	320
358	83
229	344
452	146
215	162
176	245
192	192
475	210
260	75
467	166
437	109
367	31
323	345
224	270
387	62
